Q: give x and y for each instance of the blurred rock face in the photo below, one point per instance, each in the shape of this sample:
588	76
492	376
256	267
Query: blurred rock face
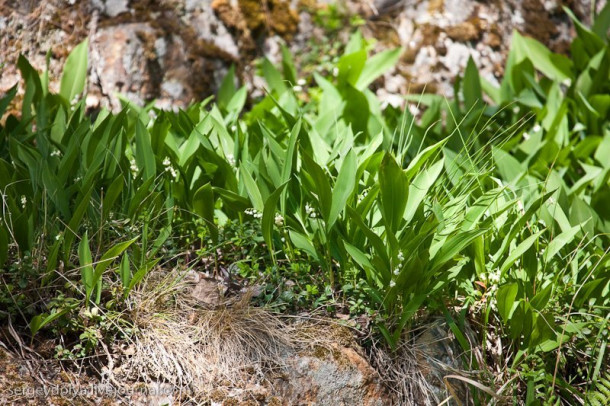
177	51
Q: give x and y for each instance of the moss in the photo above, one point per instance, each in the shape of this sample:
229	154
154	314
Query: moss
269	16
274	401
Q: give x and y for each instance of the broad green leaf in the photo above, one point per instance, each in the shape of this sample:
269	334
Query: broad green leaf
361	259
303	243
520	250
74	75
145	157
453	246
377	66
394	190
227	89
552	65
418	189
140	274
237	102
75	222
3	245
105	262
111	196
41	320
203	206
269	218
422	158
351	66
540	300
125	271
273	77
506	299
344	187
471	86
86	268
6	100
560	241
251	186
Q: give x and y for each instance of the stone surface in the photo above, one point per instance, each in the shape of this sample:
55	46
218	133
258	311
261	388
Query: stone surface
335	376
177	51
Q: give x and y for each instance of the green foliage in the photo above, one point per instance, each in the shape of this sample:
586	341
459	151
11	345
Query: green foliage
494	201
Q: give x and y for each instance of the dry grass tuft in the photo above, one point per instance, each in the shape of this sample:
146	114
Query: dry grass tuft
418	371
197	349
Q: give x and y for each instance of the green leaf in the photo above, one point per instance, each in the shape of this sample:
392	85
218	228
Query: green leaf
361	259
377	66
344	187
520	250
554	66
203	205
540	300
237	102
85	264
273	77
602	22
125	271
140	274
506	299
227	89
5	101
251	187
75	222
3	245
560	241
290	72
418	189
303	243
453	246
41	320
111	196
75	72
351	66
145	157
394	192
471	86
269	218
422	158
320	182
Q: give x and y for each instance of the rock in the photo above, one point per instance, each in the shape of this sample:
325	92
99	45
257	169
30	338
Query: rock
177	51
115	7
207	292
335	376
122	64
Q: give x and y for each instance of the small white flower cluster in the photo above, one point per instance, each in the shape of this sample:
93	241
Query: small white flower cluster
520	207
363	195
77	179
169	168
133	166
493	280
24	201
231	159
254	213
401	259
279	220
56	153
299	85
310	211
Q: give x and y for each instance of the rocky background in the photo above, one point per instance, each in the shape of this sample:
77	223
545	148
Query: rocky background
177	51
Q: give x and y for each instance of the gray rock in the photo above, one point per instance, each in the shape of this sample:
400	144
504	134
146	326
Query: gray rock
115	7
